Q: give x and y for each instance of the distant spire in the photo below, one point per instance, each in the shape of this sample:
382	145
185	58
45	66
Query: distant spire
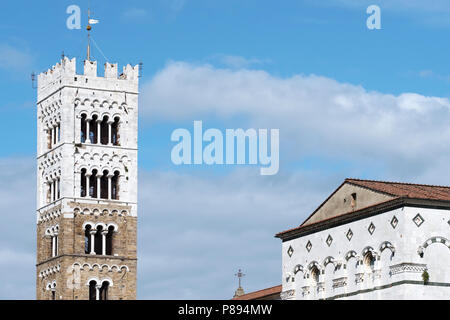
239	291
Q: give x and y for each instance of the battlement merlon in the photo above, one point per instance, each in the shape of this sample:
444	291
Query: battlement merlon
64	74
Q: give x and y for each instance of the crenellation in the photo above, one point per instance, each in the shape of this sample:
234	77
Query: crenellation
90	68
111	70
130	72
65	73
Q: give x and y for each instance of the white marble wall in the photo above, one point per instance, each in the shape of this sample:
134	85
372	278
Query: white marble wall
63	95
341	277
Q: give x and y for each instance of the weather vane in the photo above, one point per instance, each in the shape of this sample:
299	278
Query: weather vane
89	28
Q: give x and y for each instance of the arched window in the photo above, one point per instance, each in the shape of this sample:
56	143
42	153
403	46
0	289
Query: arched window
95	184
53	290
83	183
314	275
368	262
93	290
98	243
95	129
98	290
87	239
83	128
104	185
115	186
104	131
115	137
109	240
104	290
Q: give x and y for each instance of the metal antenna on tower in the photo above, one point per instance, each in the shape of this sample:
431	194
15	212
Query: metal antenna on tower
33	80
89	28
141	69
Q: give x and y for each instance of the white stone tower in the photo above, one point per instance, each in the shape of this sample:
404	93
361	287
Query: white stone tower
87	182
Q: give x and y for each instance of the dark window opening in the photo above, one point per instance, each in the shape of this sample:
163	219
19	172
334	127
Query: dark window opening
115	132
104	185
109	240
98	241
104	291
83	128
92	290
83	183
115	186
87	239
104	131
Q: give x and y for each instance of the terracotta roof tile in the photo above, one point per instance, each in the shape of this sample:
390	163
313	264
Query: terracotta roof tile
260	293
396	189
401	189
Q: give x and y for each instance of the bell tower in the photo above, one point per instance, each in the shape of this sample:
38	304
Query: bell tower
87	182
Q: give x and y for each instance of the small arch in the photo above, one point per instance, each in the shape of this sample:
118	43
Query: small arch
371	250
387	245
298	268
350	255
88	223
328	260
430	241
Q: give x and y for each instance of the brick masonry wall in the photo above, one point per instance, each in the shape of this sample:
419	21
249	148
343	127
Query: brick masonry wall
76	267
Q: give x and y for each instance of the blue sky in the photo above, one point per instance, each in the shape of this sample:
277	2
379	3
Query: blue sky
348	102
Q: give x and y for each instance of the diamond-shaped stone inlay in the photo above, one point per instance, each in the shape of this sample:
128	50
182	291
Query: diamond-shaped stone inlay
309	246
329	240
371	228
418	220
349	234
290	251
394	222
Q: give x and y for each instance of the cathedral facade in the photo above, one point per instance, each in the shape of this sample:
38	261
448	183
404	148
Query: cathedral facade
87	182
371	240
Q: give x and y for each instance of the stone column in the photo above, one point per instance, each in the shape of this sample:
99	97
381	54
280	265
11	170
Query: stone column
97	291
52	191
110	133
53	246
88	129
109	186
88	185
99	177
93	232
99	122
104	233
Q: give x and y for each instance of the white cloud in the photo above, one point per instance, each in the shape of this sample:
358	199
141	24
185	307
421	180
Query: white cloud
195	232
316	115
17	230
238	62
